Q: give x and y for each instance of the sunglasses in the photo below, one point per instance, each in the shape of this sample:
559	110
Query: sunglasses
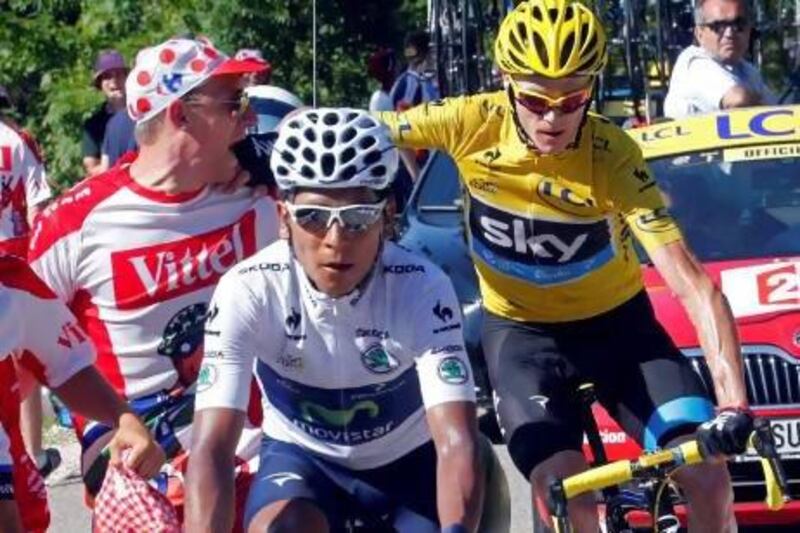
238	105
738	25
356	218
540	104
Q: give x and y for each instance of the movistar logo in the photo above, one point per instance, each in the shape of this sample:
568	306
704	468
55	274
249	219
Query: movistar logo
313	412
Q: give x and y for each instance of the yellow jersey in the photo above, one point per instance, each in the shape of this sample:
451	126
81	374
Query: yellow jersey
550	235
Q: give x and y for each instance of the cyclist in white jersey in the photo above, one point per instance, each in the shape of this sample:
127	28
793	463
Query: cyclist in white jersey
357	347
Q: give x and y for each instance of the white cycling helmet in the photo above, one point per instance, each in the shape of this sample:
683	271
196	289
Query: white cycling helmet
334	148
270	104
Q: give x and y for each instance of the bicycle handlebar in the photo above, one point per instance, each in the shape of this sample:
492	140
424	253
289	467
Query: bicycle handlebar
661	464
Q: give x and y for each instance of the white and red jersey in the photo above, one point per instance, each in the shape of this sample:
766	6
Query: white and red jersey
138	267
38	330
22	184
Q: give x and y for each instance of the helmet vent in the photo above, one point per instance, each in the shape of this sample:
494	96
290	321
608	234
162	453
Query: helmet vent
348	135
307	172
378	171
373	157
283	171
328	163
328	139
553	12
365	123
584	33
310	135
313	117
347	173
566	50
288	157
347	155
330	119
569	13
293	142
537	13
309	155
367	142
541	50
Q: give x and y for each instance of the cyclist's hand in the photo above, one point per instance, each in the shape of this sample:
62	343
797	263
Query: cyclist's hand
145	456
727	434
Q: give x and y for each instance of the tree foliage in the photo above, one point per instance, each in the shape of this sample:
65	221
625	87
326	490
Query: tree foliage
47	49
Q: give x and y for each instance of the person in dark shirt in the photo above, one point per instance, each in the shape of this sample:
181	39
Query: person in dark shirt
119	138
109	77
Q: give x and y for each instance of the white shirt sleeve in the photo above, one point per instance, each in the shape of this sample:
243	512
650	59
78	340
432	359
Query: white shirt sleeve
230	346
708	82
444	370
36	188
52	335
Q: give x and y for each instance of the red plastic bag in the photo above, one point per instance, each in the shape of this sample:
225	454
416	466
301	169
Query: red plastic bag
126	503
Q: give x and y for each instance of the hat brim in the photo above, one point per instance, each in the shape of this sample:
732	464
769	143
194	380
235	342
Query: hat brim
240	66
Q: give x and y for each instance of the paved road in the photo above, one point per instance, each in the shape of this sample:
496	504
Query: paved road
70	516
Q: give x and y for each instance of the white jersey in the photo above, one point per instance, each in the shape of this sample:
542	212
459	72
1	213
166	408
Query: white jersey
138	267
38	330
22	185
699	82
346	378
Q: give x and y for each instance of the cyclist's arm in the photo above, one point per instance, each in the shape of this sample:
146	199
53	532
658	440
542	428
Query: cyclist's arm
459	470
633	191
433	125
711	317
220	406
448	392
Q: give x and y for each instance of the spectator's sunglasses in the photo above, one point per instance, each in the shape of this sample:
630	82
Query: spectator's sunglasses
540	103
738	25
355	218
238	105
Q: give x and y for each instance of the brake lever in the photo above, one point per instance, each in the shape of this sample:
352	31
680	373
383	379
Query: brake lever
763	441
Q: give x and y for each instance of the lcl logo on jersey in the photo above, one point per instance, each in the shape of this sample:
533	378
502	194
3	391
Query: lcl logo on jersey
144	276
541	251
564	199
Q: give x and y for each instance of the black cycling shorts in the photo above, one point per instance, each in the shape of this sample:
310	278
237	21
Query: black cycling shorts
639	375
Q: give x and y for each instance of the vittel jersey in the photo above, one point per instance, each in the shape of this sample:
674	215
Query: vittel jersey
37	329
138	268
22	184
347	378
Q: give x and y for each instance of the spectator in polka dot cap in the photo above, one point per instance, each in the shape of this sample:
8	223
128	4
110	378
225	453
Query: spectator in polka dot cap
136	251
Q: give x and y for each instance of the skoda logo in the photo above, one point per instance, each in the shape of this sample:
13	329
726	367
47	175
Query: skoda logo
378	361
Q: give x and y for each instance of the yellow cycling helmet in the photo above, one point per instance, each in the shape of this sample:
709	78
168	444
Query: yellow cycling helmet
551	38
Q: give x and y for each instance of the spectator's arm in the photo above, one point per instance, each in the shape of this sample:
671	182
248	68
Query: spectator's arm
92	165
740	96
9	517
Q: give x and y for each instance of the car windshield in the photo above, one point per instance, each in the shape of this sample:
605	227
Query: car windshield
733	209
437	199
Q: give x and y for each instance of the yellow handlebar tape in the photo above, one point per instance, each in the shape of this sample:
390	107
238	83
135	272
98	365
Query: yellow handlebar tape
597	478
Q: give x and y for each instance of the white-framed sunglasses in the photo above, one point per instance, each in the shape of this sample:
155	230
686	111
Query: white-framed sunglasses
355	218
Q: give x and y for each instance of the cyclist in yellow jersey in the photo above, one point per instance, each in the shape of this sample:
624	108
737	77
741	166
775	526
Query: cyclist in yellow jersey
555	195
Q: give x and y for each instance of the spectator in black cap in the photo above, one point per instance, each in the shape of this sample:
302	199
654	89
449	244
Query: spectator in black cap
109	77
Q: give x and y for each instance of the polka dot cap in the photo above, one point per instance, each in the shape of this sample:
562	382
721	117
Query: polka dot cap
165	72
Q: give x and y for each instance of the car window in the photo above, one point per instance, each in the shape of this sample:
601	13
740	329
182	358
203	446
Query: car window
437	198
733	209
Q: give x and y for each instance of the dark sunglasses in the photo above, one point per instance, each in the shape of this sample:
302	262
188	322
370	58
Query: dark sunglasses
356	218
540	103
738	25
